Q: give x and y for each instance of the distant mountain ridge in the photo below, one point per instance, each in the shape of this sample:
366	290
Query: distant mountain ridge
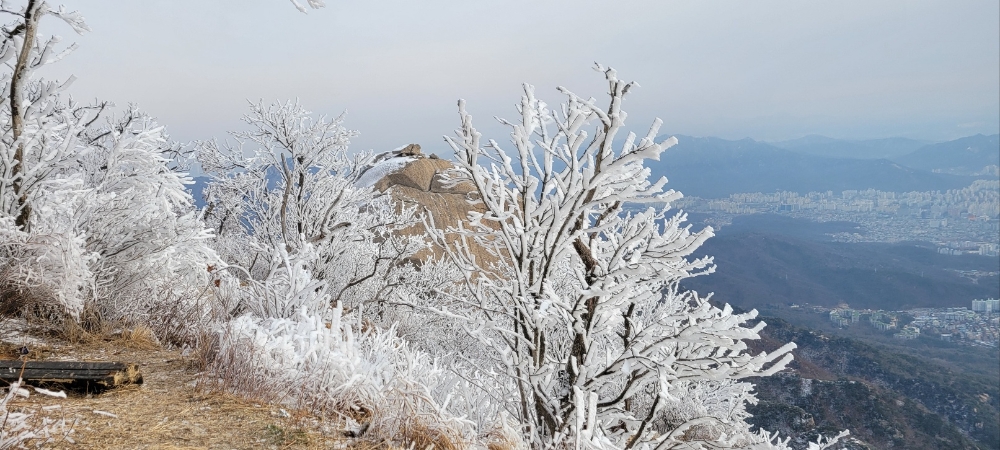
965	156
887	148
713	168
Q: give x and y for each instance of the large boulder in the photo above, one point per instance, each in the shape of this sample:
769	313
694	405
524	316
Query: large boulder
415	179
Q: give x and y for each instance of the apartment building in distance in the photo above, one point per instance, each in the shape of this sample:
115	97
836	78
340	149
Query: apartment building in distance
990	305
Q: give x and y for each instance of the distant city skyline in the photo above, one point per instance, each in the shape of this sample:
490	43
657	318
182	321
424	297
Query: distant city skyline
767	70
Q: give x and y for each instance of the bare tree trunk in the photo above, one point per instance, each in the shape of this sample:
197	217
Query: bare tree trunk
284	204
16	112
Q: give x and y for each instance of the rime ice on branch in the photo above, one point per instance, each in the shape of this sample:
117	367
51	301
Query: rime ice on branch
583	320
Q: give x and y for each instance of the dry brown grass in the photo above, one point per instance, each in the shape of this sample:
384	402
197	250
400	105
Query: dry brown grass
414	435
90	328
420	435
74	333
140	337
9	350
497	440
94	332
179	405
502	436
169	411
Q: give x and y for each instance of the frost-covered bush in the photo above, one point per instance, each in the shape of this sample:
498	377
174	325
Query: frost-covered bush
137	220
113	227
96	217
304	238
47	275
372	379
140	216
288	183
299	350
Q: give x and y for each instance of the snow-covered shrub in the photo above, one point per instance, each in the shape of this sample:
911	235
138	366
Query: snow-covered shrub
46	275
104	216
372	380
136	218
304	238
298	350
288	183
114	226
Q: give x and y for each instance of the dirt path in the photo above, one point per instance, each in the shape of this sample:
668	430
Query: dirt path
169	410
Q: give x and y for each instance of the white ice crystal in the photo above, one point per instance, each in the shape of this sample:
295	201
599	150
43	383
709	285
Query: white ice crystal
382	168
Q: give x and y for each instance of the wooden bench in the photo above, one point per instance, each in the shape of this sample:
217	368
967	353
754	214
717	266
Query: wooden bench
108	374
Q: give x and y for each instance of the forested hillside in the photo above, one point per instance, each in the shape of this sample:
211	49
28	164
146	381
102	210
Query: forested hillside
886	148
759	268
889	399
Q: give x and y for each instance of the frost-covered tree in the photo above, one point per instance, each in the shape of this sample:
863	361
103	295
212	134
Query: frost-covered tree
39	134
102	209
32	114
138	217
581	317
288	184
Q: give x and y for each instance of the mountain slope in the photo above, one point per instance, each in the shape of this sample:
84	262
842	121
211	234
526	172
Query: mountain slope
887	399
887	148
757	269
713	168
963	156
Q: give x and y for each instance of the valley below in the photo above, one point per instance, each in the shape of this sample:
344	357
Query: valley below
928	391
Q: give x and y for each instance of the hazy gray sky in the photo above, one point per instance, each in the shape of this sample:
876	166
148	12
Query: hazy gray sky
762	69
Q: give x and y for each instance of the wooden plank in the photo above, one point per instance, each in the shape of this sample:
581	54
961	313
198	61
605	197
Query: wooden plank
40	374
88	365
107	373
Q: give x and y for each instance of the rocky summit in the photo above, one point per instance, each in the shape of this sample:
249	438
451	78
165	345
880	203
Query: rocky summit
421	182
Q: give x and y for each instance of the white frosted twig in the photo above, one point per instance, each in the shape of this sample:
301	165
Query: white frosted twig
105	413
59	394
